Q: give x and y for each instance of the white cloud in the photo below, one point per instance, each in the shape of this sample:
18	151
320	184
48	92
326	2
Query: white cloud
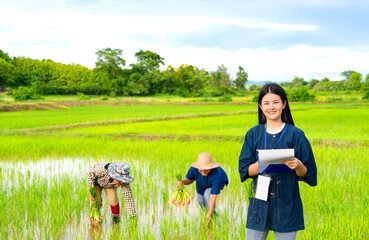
70	36
277	65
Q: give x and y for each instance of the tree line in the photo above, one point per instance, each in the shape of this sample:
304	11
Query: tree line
111	77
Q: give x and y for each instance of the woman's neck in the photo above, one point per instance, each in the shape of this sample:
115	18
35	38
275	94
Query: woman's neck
273	126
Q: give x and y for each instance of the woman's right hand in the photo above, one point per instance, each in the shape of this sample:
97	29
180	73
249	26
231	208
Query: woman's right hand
91	199
178	183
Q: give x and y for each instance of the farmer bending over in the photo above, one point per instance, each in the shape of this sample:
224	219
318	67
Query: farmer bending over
110	176
210	179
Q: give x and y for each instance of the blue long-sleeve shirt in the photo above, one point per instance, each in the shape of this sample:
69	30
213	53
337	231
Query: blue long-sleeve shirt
283	209
216	179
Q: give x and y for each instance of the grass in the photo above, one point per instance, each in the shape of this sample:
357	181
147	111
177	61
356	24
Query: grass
343	124
78	114
339	199
43	192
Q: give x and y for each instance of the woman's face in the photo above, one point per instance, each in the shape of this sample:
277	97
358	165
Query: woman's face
204	172
272	106
117	182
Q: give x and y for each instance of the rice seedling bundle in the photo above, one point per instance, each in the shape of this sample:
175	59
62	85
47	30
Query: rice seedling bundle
180	197
95	219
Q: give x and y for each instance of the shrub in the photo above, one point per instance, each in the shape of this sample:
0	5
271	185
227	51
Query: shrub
300	94
255	99
81	96
366	95
104	98
225	98
24	93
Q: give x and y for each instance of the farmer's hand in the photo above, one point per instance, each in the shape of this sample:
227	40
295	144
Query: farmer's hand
178	183
207	219
91	199
293	164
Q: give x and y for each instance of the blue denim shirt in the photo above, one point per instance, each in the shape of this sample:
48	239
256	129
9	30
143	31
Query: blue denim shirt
216	179
283	210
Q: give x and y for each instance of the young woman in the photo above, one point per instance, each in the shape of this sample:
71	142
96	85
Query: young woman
282	211
210	179
110	176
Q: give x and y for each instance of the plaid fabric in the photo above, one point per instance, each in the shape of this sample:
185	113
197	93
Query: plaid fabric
98	175
129	204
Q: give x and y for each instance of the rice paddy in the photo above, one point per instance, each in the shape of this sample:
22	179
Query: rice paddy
43	191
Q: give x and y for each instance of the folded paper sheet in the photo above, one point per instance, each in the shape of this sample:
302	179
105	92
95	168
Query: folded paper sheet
275	156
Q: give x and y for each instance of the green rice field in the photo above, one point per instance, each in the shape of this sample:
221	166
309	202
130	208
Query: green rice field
45	156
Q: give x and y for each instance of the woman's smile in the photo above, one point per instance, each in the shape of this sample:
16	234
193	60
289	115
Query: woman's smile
272	106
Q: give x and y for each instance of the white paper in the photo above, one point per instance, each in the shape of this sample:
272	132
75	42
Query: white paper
275	156
262	187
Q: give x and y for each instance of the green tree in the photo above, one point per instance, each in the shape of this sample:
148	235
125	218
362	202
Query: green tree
150	61
312	83
347	74
221	81
5	56
110	61
241	79
298	82
353	79
6	73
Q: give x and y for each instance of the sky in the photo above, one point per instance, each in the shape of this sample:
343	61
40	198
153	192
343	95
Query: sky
272	40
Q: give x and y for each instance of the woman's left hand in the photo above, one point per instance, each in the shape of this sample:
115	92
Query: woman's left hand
207	219
293	164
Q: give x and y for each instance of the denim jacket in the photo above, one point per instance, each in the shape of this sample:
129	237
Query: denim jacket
282	211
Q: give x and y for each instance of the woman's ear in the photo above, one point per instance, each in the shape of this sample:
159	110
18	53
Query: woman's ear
284	104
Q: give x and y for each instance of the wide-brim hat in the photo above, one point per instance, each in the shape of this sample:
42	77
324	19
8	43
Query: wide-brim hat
120	172
205	162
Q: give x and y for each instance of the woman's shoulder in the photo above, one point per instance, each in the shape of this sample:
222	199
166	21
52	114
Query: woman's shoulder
297	135
295	130
220	171
193	170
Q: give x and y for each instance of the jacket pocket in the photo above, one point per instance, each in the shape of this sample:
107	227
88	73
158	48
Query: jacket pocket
257	214
289	213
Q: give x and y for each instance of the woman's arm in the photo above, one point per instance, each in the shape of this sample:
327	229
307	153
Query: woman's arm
129	204
253	169
213	199
247	158
185	181
297	165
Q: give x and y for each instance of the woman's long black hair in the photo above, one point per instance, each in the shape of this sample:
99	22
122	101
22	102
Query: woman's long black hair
276	89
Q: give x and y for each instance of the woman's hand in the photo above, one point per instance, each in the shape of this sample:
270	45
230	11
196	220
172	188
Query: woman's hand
297	165
91	199
207	219
293	164
178	183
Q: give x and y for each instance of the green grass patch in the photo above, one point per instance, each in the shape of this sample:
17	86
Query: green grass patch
332	209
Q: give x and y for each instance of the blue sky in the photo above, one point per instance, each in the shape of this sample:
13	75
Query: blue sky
271	40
